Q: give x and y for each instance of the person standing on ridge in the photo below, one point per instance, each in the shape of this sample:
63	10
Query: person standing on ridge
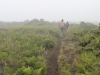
62	28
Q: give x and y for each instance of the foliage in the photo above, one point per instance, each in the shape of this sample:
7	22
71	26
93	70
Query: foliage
87	37
23	49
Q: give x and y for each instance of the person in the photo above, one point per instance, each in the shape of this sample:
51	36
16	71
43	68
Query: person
67	25
62	28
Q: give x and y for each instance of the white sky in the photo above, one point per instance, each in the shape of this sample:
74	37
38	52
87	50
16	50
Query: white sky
50	10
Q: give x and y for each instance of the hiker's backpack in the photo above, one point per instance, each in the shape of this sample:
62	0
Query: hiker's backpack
62	24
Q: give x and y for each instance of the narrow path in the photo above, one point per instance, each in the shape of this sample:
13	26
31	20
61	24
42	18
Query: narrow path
52	60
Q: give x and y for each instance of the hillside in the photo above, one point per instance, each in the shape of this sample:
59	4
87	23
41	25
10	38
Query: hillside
39	50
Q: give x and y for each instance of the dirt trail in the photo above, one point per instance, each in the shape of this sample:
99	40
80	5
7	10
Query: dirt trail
67	55
52	60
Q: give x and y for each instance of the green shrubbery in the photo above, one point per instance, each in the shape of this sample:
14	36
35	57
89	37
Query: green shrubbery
22	49
88	47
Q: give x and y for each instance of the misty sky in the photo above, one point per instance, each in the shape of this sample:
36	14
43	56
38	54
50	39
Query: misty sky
50	10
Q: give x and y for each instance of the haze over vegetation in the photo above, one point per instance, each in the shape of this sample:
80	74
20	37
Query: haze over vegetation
50	10
31	42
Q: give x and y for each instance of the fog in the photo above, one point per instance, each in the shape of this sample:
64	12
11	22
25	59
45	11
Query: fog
50	10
